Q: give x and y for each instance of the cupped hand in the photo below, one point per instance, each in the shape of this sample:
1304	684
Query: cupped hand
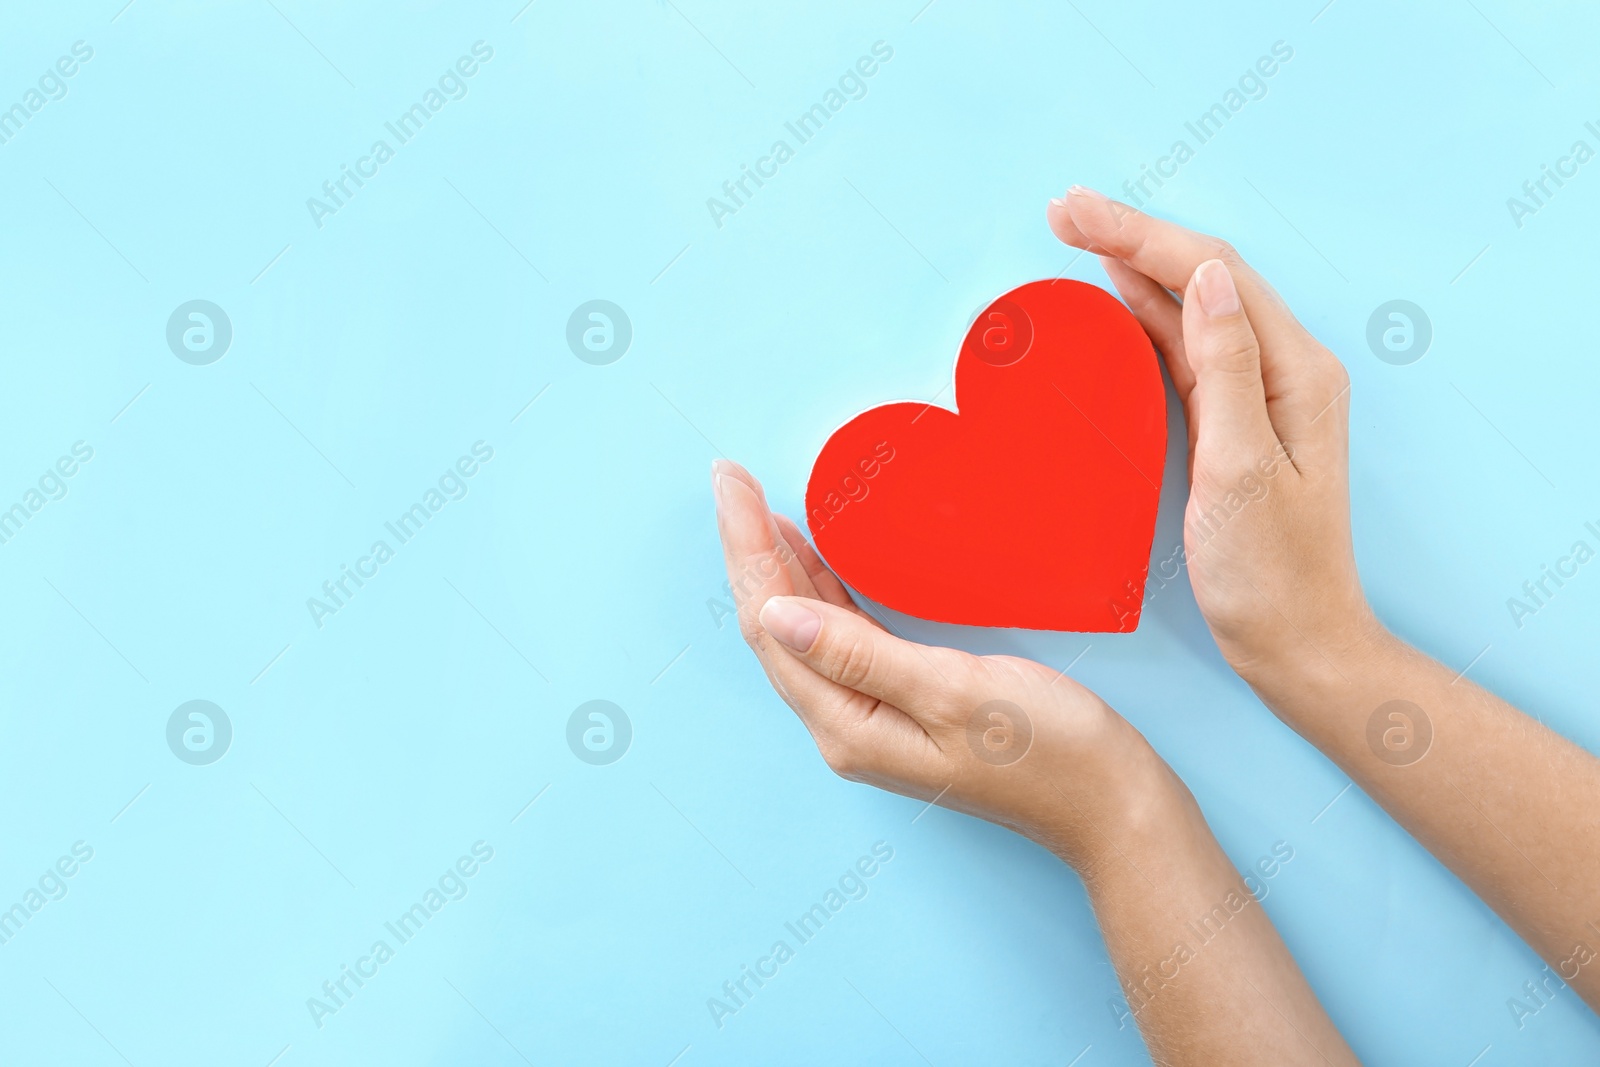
1002	738
1267	529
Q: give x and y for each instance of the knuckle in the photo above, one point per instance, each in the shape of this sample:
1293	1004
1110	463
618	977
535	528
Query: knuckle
1122	214
750	627
850	661
1140	244
1232	353
1220	249
842	759
1338	377
1326	379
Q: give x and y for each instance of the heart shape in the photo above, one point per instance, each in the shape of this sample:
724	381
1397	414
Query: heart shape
1033	507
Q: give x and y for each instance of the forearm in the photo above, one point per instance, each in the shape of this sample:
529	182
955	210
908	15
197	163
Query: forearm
1509	805
1203	970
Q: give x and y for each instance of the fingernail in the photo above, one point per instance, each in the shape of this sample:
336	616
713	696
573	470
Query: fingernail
1056	201
793	624
719	489
1084	190
1217	293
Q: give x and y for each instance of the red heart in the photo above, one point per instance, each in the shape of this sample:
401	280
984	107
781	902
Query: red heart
1034	506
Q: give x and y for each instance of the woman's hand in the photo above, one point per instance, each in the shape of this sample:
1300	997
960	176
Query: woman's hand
1267	530
1005	739
1500	799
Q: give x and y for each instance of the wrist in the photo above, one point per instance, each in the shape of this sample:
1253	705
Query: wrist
1308	669
1129	803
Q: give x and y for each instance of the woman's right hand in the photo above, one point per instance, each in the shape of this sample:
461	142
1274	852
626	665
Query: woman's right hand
1503	801
1267	530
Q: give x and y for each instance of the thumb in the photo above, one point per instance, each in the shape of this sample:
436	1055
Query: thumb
1228	405
850	650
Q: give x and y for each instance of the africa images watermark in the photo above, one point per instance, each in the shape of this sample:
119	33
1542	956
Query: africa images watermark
1204	525
1563	571
599	732
1252	85
52	885
199	732
1539	993
852	85
52	85
1139	990
52	485
999	732
452	885
452	485
752	576
851	885
1399	732
851	488
337	192
1537	192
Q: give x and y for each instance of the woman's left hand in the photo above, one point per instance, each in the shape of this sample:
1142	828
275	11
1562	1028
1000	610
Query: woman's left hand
999	737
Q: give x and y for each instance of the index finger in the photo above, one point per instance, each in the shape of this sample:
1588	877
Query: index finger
760	563
1168	254
1301	379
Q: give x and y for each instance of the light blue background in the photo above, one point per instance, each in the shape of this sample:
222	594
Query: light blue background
369	754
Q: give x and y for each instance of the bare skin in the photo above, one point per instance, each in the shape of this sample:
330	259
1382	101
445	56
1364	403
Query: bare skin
1507	804
1206	976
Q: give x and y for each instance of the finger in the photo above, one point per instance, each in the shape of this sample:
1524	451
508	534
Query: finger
1229	404
857	734
756	572
757	558
1159	312
1296	371
1059	217
1168	254
729	477
1160	250
851	729
827	584
847	649
738	470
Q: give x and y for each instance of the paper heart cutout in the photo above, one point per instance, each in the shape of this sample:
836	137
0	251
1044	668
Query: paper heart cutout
1033	507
